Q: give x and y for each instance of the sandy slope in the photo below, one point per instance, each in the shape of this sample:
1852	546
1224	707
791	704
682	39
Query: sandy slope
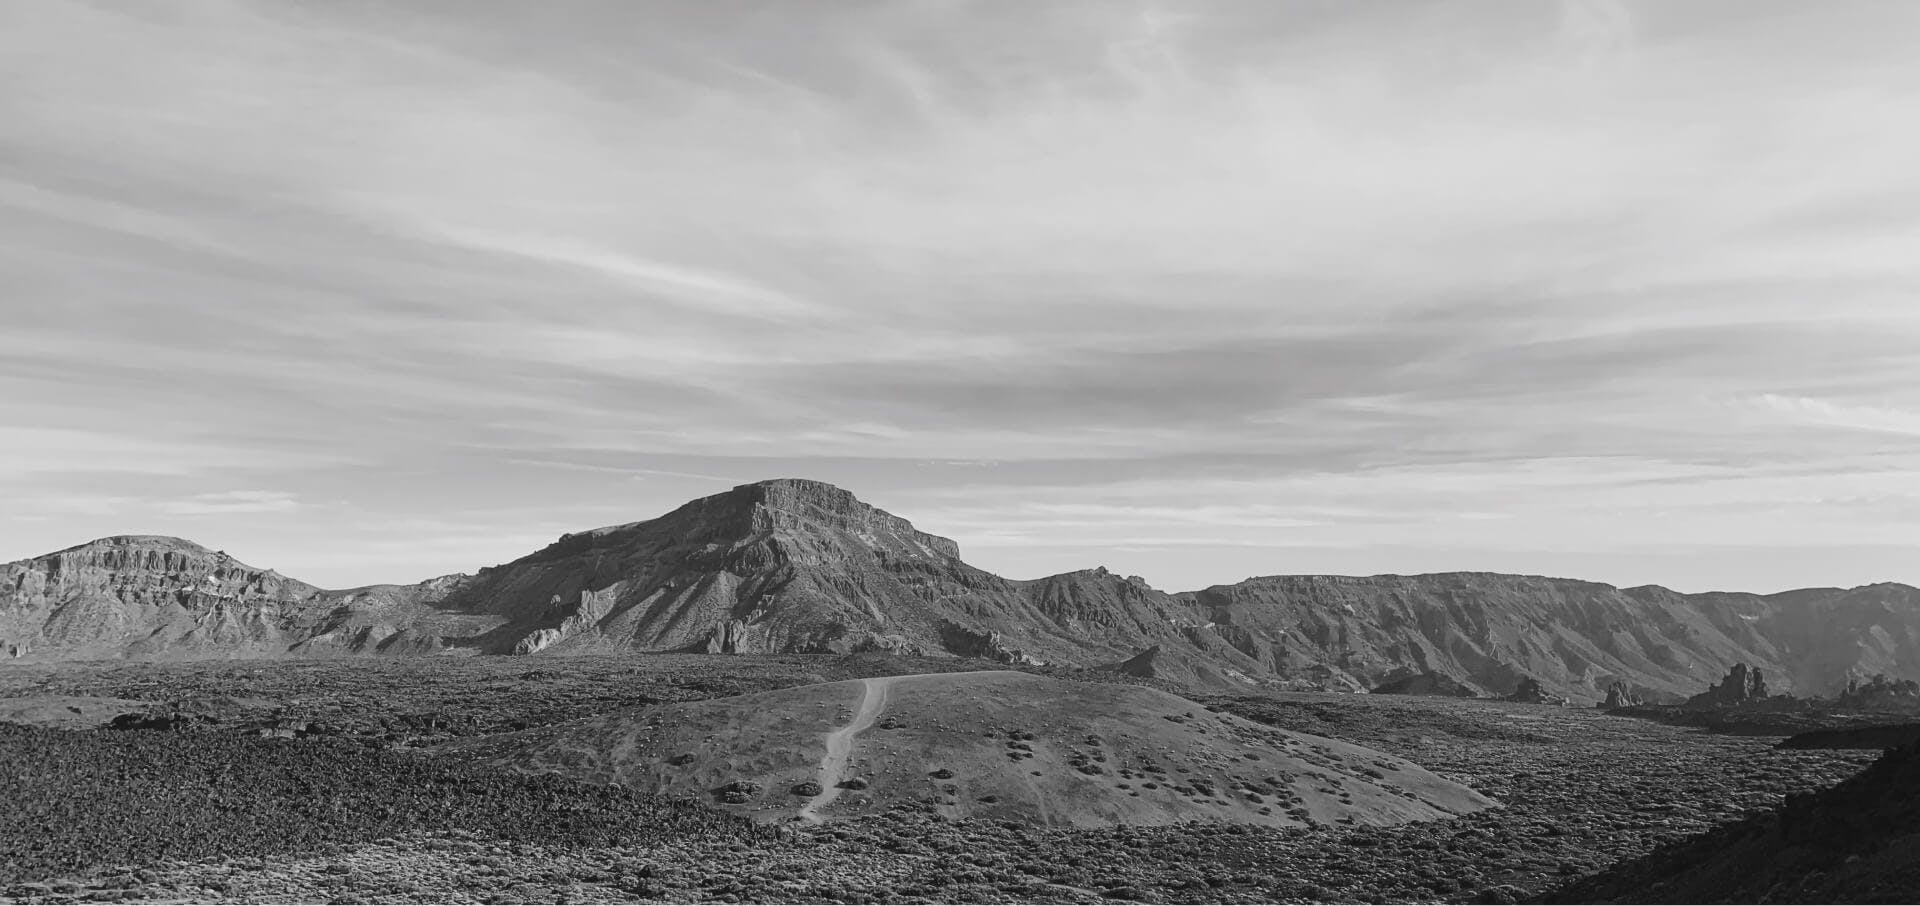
833	767
67	712
990	744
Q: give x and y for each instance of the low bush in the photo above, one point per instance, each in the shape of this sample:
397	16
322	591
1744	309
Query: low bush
77	800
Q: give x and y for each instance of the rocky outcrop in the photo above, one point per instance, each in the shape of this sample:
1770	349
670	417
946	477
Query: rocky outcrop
1179	669
1880	693
1529	691
1145	665
1743	686
1619	696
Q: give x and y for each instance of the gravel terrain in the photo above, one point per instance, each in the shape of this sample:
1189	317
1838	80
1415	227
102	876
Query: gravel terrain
1580	790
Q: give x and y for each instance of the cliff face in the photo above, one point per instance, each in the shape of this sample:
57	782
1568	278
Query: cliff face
801	566
144	593
151	596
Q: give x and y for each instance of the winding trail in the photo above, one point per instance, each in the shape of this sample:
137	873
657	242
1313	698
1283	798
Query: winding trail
833	767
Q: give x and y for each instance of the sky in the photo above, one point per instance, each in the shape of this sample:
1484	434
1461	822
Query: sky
372	292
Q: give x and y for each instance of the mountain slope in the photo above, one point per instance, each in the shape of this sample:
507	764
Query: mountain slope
801	566
1489	630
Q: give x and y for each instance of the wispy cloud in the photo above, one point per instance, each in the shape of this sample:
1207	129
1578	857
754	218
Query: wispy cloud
704	291
1809	411
231	502
1330	278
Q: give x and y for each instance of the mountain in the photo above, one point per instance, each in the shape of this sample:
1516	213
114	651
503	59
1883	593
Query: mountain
801	566
793	565
155	597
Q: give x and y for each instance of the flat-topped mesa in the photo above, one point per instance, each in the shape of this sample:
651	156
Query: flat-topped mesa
130	561
800	506
794	509
132	552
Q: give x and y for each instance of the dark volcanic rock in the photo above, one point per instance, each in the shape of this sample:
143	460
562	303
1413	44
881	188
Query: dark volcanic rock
1887	736
1858	842
1145	665
1529	691
1881	693
1426	683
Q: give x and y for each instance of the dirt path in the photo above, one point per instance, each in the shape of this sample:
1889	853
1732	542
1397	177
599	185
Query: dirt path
833	767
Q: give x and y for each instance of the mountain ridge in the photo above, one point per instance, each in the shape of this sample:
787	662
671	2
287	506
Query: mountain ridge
795	565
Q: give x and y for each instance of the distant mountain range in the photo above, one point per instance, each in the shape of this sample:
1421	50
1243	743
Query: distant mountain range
801	566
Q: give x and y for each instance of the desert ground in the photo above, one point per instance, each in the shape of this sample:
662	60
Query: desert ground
383	780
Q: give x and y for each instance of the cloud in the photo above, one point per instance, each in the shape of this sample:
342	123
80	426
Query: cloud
704	291
36	452
231	502
1171	272
1808	411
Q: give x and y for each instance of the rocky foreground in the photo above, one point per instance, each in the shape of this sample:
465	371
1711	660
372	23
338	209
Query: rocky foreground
1579	791
1858	842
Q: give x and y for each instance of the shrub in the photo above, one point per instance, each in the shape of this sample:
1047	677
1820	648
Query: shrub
79	800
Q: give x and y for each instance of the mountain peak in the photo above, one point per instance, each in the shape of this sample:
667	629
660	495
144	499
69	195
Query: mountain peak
803	483
802	505
793	493
155	553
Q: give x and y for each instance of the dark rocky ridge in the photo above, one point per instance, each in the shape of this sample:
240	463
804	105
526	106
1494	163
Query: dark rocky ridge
1858	842
1884	736
801	566
1425	683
